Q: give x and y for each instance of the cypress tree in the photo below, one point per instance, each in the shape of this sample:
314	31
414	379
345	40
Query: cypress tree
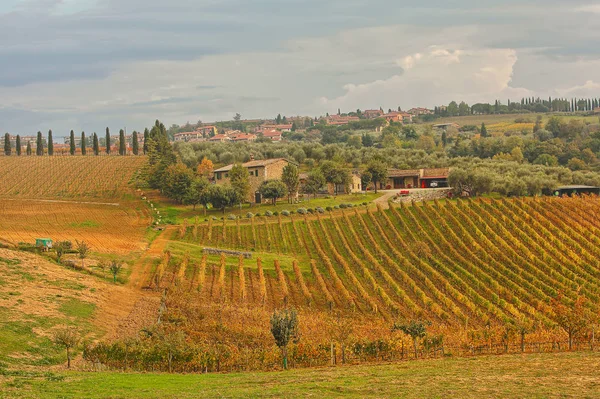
28	149
39	145
18	145
146	137
50	143
134	143
72	143
484	132
107	141
95	144
6	144
122	148
83	144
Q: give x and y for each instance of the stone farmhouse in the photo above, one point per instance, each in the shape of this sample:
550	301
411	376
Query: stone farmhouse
259	171
414	178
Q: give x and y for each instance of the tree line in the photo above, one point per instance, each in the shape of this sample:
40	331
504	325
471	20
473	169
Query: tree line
45	145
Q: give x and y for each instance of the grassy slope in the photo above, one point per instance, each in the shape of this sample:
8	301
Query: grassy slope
564	375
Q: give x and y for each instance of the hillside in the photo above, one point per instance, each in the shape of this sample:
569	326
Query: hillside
73	198
482	273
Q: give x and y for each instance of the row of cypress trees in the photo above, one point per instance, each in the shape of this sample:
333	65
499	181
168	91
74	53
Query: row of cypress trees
83	144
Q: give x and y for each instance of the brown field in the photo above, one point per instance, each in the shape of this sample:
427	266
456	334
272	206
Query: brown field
73	198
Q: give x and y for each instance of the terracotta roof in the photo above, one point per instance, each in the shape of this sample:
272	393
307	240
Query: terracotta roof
272	133
436	173
220	137
403	173
255	164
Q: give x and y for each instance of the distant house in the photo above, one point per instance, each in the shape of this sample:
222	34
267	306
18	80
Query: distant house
207	131
372	113
188	136
273	135
259	170
402	117
220	138
281	127
415	178
243	137
420	111
337	120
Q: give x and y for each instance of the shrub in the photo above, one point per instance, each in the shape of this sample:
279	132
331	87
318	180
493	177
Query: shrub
329	209
231	217
249	215
214	218
268	213
310	210
364	204
275	213
258	214
285	212
320	210
342	206
302	211
336	207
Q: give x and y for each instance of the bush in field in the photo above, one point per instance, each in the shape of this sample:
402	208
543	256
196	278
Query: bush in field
249	215
232	217
328	209
268	213
319	209
302	211
285	212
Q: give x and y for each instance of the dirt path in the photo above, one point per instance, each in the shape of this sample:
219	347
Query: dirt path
383	200
143	267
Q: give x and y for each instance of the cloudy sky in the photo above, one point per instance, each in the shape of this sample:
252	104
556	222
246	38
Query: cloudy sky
88	64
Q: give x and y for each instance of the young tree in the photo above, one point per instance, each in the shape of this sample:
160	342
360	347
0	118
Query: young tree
68	338
72	143
291	178
28	149
107	139
18	145
239	179
39	145
146	138
367	140
484	132
115	267
122	145
273	189
83	251
314	182
50	143
83	144
7	148
220	196
538	124
378	171
415	329
205	168
135	146
284	327
572	319
95	144
365	179
60	248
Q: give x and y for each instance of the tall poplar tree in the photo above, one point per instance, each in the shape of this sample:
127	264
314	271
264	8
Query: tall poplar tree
134	143
83	146
72	143
50	143
18	145
146	138
39	144
6	144
107	141
95	144
122	148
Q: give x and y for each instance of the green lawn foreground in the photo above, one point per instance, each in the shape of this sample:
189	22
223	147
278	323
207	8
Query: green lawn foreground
558	375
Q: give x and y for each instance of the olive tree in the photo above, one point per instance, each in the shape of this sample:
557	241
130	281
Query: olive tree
415	329
284	327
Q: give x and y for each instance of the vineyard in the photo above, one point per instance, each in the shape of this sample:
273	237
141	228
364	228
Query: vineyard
475	269
58	177
73	198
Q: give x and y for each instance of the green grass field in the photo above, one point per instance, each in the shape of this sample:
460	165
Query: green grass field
175	214
564	375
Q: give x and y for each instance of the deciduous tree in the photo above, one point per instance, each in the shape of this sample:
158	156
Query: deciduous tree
68	338
378	171
273	189
291	178
239	179
415	329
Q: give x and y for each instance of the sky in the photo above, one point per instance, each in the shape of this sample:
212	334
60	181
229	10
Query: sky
88	64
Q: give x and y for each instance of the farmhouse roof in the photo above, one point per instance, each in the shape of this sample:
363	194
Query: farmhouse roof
403	173
436	173
255	164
